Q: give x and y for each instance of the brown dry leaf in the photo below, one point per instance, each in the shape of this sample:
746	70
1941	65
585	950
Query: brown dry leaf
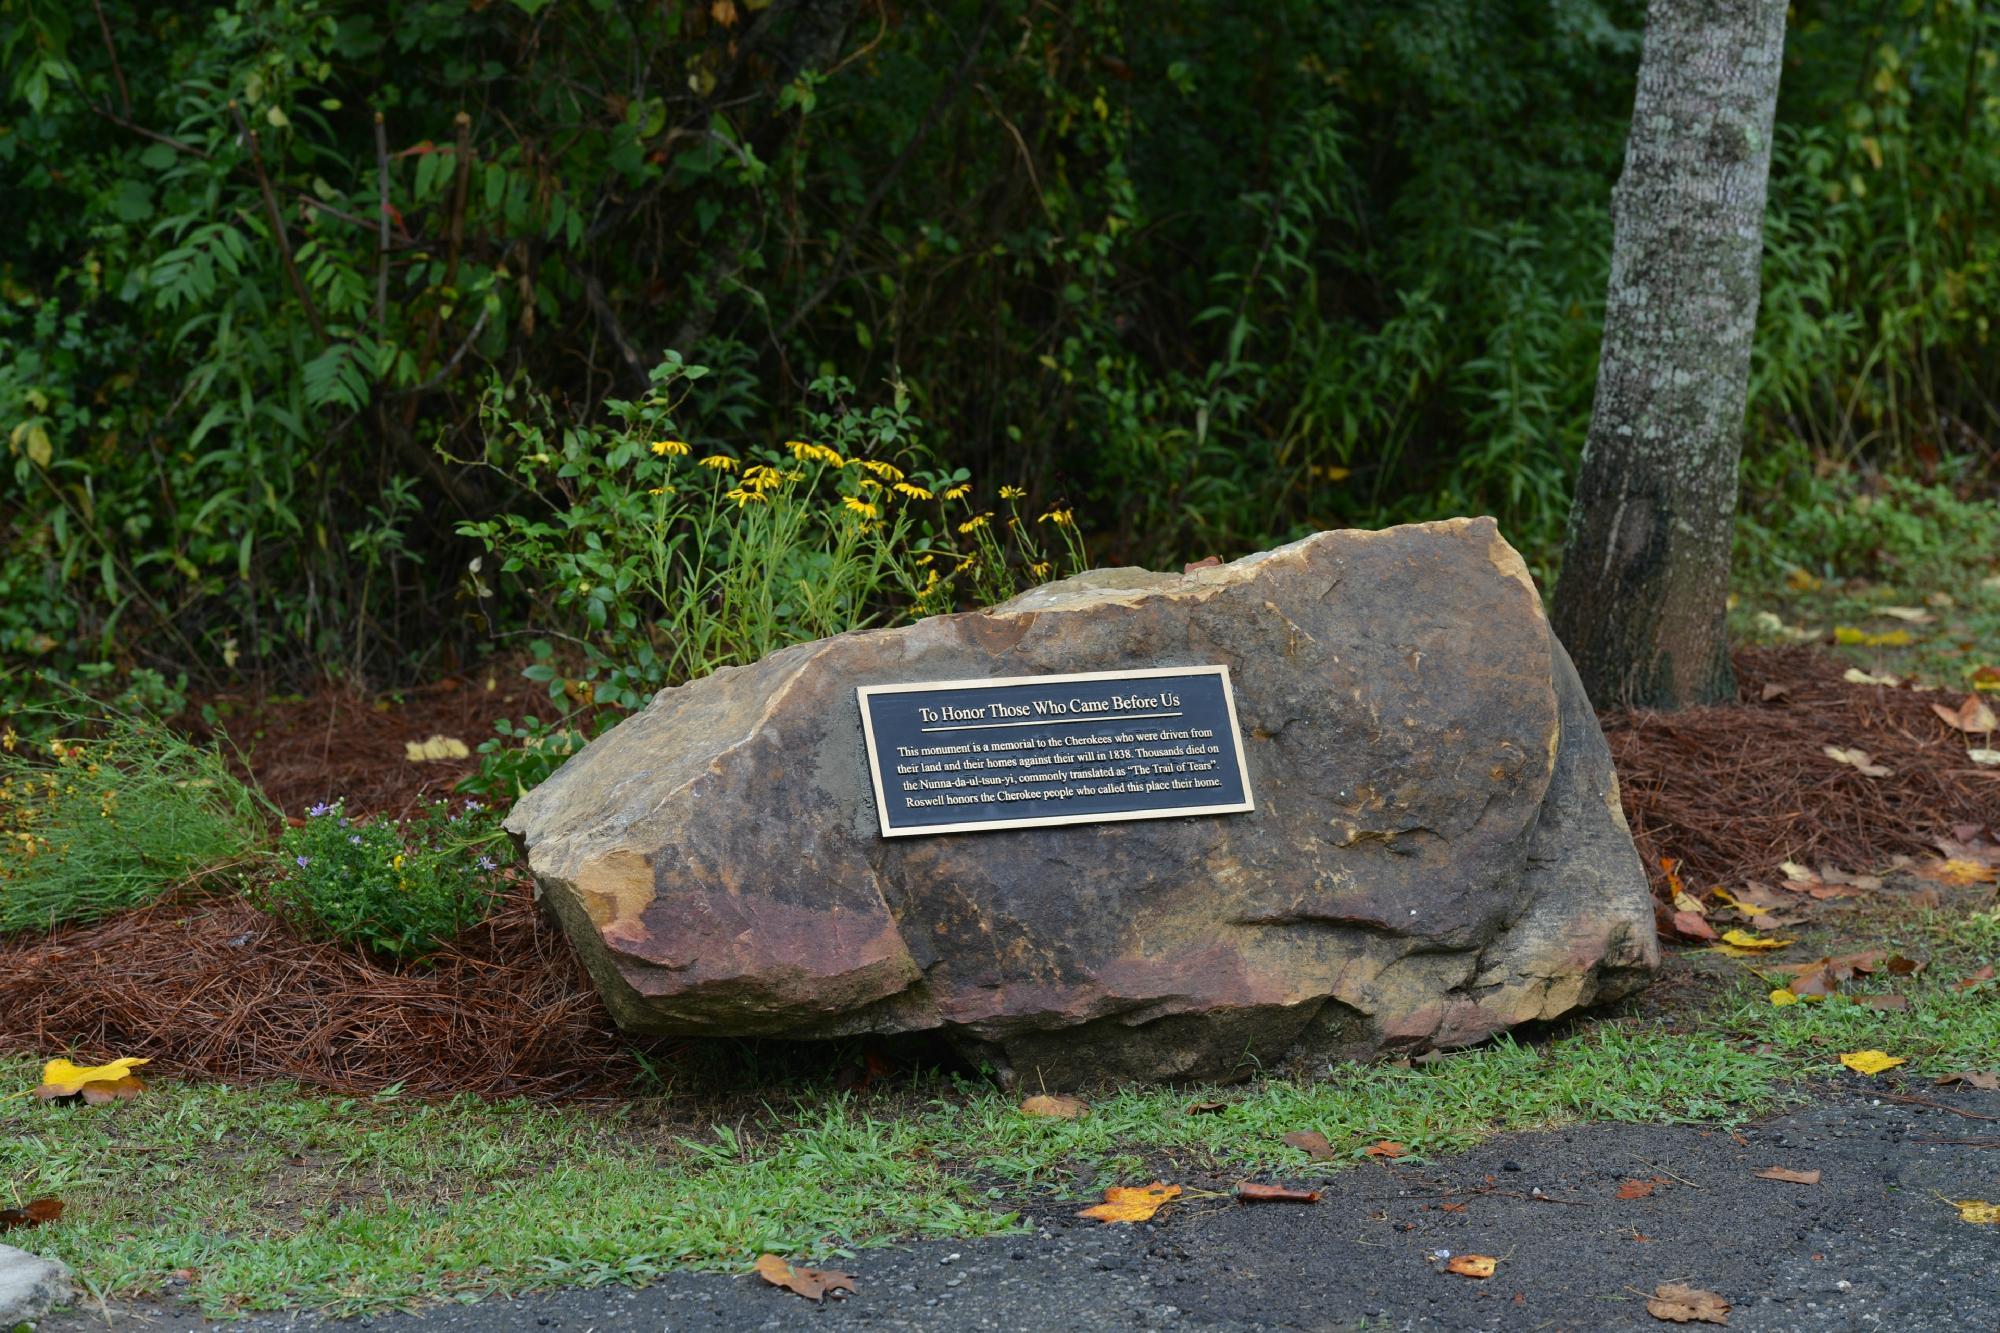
1859	760
1059	1106
1250	1191
122	1090
1682	1304
1207	1108
1637	1189
1471	1265
1984	1079
723	12
1384	1148
1888	1003
1899	966
1975	978
34	1213
815	1284
1312	1143
1786	1173
1693	926
1972	716
1773	690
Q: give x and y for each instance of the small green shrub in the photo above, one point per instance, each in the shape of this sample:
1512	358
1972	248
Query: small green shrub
112	813
1901	531
396	887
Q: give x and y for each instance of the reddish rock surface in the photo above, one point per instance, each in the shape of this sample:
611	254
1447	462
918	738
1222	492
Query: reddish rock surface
1437	853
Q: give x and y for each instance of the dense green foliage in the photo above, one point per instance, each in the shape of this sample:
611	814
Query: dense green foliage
286	279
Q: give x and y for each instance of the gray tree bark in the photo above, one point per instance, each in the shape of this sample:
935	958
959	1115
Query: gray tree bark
1640	603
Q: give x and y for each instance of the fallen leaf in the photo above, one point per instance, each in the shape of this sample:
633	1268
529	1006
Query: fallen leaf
60	1078
1681	1304
1870	1062
1986	678
1250	1191
1977	1210
1984	758
1312	1143
435	749
118	1090
1058	1106
1975	978
1206	1108
1984	1080
1786	1173
1799	580
1693	926
1132	1203
1890	1003
1859	760
1973	714
34	1213
1909	615
1471	1265
1774	690
815	1284
1899	966
1856	676
1687	902
1384	1148
1893	638
1783	997
1637	1189
1743	939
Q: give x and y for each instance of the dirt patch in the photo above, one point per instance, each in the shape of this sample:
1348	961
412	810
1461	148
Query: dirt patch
1732	791
339	743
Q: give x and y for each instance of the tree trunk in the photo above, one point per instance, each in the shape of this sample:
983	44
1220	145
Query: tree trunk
1641	600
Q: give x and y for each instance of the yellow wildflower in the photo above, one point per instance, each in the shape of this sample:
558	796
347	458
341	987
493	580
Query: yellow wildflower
859	506
8	738
886	471
959	492
720	462
1011	492
914	492
973	524
1040	569
743	497
659	490
678	448
1062	518
814	453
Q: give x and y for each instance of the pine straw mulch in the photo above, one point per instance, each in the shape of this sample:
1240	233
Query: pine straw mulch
210	986
1732	791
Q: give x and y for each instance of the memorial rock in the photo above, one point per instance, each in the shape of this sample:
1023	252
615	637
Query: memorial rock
1434	849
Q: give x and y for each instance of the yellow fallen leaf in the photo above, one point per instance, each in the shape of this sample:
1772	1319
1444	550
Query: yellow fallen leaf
1984	758
1859	759
1687	902
1471	1265
1977	1210
60	1078
1914	615
1744	939
436	748
1057	1106
1856	676
1870	1062
1783	997
1132	1203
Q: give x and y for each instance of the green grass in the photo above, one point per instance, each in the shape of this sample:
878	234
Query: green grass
111	814
270	1197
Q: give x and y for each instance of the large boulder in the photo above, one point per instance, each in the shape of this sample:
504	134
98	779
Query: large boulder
1437	851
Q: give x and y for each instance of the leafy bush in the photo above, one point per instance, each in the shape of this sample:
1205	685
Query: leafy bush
397	887
654	561
111	814
1217	273
1897	530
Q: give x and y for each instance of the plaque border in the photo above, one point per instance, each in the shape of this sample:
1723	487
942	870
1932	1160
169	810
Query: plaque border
863	693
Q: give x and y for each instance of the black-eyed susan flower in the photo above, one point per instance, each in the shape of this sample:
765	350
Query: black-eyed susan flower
814	453
959	492
1011	492
973	524
678	448
913	491
720	462
1062	518
859	506
743	497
